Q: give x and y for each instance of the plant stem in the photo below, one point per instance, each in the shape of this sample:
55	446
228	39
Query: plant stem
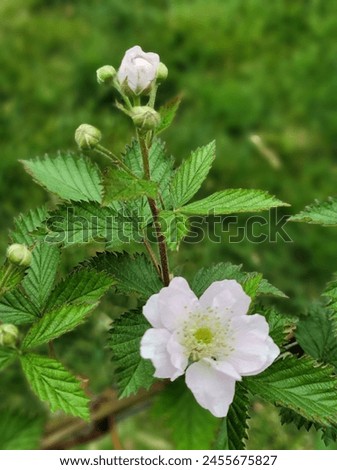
67	432
113	158
10	270
115	439
152	256
165	272
51	350
161	242
153	96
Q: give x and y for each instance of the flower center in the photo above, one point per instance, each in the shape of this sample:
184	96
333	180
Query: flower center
204	335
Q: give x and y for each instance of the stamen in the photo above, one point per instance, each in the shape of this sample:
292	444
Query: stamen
206	335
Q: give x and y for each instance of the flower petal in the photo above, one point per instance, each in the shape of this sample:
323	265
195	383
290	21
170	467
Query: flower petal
253	349
224	367
227	297
151	311
177	352
212	389
175	303
153	347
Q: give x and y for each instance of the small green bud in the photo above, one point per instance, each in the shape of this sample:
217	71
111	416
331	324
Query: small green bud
145	117
106	74
162	72
19	255
87	136
8	335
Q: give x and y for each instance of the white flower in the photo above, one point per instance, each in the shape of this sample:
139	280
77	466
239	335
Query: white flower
138	70
212	340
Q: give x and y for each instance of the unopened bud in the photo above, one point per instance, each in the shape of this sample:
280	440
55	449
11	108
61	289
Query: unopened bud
162	72
87	136
19	255
106	74
8	335
145	117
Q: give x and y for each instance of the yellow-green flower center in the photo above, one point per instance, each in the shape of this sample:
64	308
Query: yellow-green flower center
204	335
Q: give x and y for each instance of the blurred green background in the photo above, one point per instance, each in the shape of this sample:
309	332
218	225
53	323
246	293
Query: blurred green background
246	68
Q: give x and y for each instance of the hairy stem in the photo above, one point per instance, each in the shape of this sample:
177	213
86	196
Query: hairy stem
165	271
113	158
152	256
9	271
67	432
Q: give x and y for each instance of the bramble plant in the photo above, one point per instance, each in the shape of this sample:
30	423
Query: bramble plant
212	336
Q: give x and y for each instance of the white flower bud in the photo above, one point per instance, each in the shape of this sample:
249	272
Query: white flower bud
138	71
162	72
106	74
145	117
87	136
8	335
19	255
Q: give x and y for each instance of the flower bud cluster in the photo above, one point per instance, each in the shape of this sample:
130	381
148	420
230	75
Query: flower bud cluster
139	75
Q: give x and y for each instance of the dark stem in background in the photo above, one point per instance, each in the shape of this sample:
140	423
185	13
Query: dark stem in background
65	432
51	350
165	271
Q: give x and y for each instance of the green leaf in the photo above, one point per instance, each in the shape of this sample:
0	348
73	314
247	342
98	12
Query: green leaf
120	186
315	335
322	213
161	168
232	431
279	325
167	113
251	284
81	286
191	174
88	223
218	272
41	274
56	323
19	431
24	225
329	433
132	371
290	417
237	418
53	383
302	385
17	308
205	276
174	227
132	274
7	355
233	201
267	289
191	427
331	295
69	177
